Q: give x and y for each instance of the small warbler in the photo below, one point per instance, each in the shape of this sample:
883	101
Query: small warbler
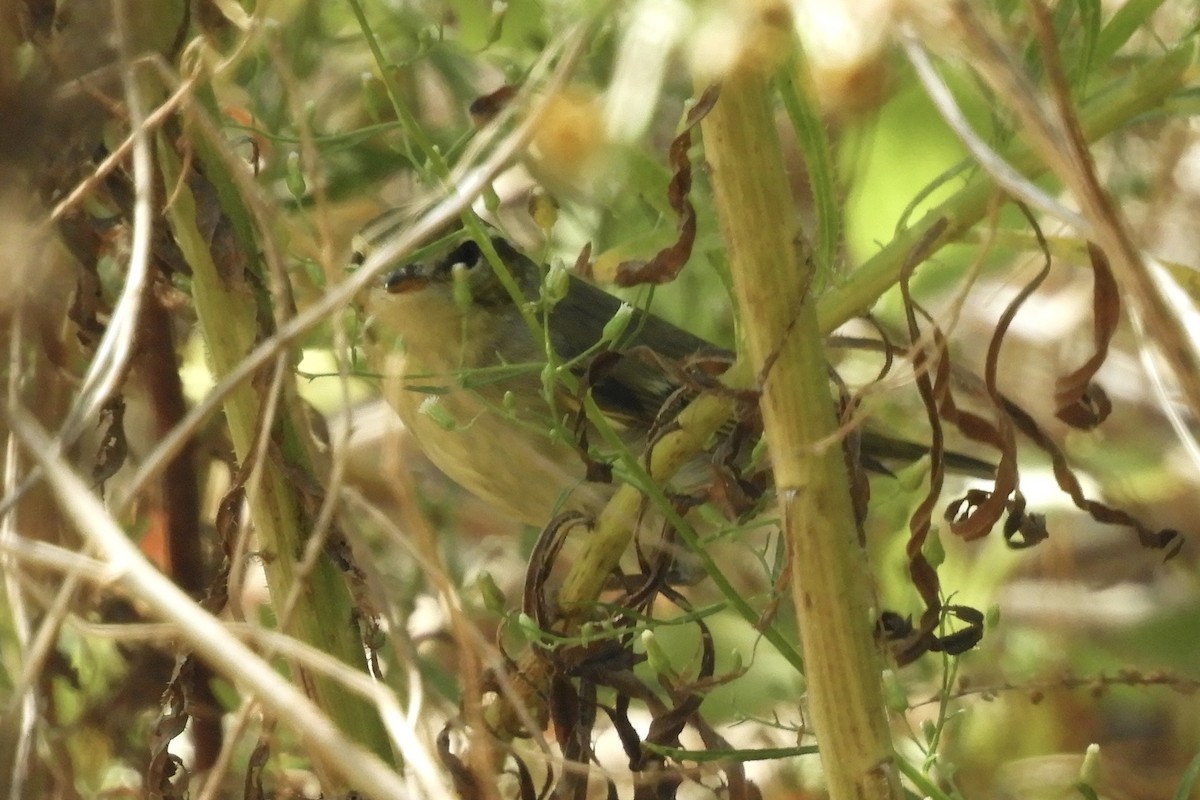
465	373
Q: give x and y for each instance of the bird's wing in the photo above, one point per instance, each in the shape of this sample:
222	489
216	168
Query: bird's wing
636	385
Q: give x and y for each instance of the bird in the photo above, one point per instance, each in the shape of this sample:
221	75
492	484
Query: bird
466	374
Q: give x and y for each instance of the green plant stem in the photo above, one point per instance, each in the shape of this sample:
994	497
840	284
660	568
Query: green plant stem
602	550
436	169
830	588
804	113
228	310
1143	90
412	128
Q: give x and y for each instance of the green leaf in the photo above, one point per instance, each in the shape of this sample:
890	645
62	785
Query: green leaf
706	756
1080	67
818	159
1121	27
1189	779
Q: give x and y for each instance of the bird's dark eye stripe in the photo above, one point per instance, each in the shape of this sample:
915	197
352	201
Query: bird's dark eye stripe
466	253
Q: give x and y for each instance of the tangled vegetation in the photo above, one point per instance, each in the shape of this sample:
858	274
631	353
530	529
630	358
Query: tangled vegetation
934	534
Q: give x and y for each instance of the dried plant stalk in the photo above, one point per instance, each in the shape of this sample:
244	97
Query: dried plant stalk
771	264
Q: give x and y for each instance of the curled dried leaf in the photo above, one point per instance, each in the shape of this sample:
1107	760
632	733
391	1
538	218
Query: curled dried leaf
734	490
535	602
964	639
114	447
666	263
631	740
924	361
1080	403
166	774
910	642
465	783
1167	539
253	785
573	714
525	785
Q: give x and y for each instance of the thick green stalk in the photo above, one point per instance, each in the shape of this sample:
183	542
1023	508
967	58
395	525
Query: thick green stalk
772	267
1142	91
228	309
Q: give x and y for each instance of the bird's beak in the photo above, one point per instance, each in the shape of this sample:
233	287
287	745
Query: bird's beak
405	280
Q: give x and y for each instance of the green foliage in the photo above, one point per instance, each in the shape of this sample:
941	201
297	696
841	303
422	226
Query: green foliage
302	122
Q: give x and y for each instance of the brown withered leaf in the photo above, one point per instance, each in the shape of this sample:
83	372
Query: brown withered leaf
893	627
525	786
972	520
730	493
228	525
738	787
964	639
975	516
665	728
1167	539
228	521
1106	309
855	460
1080	403
925	361
114	447
1006	493
166	776
465	783
252	787
599	660
218	232
1032	527
87	304
541	561
583	263
910	642
564	707
631	741
574	720
654	569
664	267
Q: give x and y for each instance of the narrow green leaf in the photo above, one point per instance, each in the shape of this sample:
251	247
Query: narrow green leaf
1121	27
818	159
1089	16
706	756
1189	779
